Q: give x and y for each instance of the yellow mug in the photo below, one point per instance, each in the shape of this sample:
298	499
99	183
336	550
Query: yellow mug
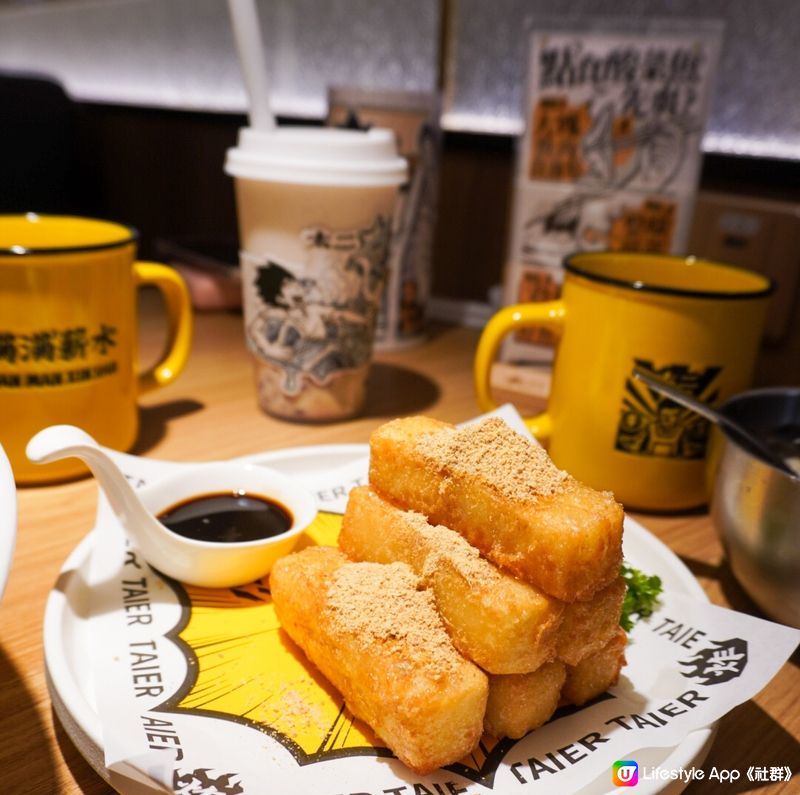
68	333
694	323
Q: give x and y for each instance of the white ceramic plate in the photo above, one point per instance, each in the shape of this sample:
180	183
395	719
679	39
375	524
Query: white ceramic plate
66	630
8	518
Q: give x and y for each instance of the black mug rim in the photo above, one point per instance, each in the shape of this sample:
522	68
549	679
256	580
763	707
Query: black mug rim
649	287
131	237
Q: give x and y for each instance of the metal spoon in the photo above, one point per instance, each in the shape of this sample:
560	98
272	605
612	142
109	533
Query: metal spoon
735	431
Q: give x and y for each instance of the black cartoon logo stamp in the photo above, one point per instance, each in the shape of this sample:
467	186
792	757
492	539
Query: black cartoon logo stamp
653	425
315	318
199	782
723	661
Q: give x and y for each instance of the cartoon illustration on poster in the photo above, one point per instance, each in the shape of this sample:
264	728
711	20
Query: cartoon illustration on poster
618	111
553	221
558	225
610	158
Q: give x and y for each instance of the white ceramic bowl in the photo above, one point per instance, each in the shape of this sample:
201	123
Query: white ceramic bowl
221	565
212	564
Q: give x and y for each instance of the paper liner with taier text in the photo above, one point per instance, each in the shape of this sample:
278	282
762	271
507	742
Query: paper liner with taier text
199	690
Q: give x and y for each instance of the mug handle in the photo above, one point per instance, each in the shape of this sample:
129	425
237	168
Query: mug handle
547	314
179	316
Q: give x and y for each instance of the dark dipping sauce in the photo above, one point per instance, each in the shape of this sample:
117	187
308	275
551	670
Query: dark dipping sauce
227	518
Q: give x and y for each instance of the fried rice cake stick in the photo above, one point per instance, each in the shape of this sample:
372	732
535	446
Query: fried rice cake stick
519	703
596	673
503	624
588	626
505	496
379	640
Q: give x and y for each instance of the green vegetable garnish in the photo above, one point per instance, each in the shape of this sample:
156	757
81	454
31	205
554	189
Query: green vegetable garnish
641	597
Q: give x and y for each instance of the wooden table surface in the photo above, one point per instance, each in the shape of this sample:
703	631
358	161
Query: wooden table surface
210	412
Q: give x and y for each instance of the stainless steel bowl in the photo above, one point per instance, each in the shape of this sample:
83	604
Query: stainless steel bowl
755	506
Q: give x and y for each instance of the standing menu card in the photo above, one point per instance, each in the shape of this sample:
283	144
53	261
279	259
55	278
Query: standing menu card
611	155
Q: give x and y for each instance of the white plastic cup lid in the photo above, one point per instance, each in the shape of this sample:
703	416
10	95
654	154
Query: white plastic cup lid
318	156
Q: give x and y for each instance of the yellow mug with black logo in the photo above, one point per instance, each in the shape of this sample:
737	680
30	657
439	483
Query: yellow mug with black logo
68	333
693	323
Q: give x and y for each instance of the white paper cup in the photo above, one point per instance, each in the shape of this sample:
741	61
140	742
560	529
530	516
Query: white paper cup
314	210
